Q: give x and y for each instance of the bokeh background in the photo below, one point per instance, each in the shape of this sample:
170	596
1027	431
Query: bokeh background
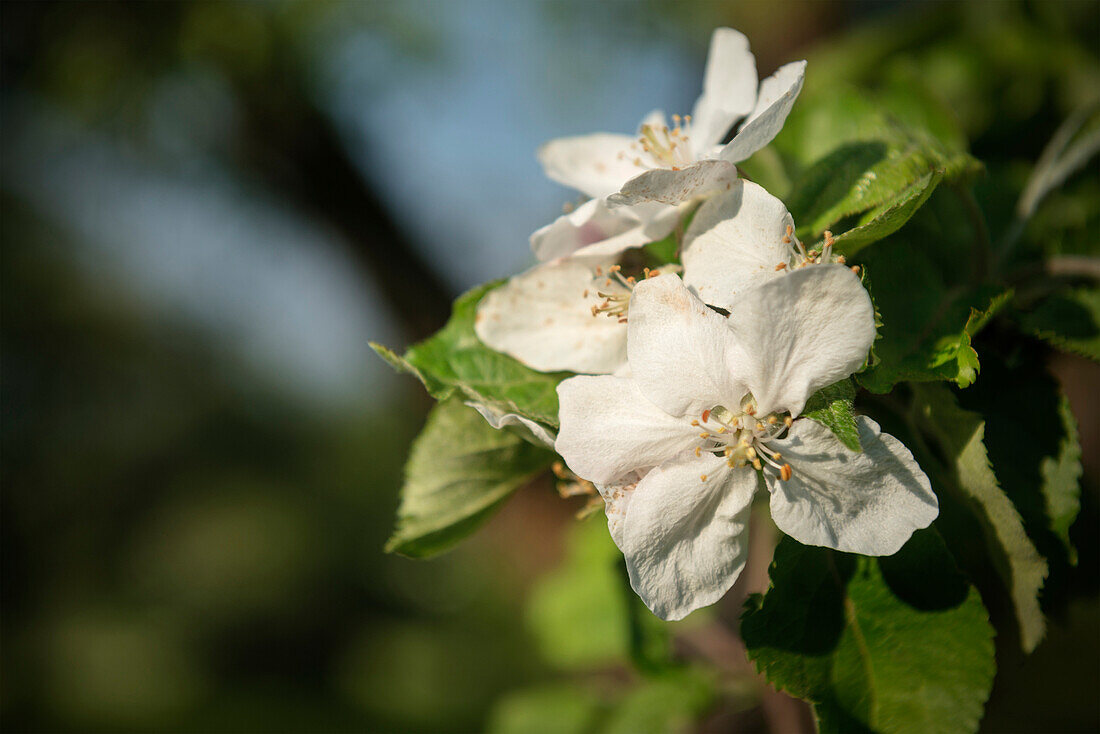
208	209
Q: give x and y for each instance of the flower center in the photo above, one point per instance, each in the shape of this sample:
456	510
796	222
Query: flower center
800	257
616	291
743	437
659	147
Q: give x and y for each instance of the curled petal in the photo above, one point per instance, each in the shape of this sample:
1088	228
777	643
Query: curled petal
867	503
609	430
528	429
777	95
595	230
544	319
735	242
799	333
678	349
685	533
672	186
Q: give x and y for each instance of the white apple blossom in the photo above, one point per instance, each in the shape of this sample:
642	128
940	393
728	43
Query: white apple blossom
742	237
546	317
713	402
674	165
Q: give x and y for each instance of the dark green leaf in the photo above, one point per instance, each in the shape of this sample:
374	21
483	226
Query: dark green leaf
888	218
920	280
1039	473
960	435
894	644
1062	480
455	360
862	160
832	407
459	471
1069	319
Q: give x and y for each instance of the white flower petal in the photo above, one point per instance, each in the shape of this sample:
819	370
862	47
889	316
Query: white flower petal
609	429
867	503
672	186
542	318
777	95
616	503
734	242
799	333
678	349
590	163
685	539
596	230
526	428
729	88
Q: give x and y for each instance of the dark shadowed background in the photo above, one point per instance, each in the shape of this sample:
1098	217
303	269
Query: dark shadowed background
207	211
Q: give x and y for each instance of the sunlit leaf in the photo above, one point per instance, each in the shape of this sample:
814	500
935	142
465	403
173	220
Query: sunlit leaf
459	471
894	644
960	435
832	407
454	359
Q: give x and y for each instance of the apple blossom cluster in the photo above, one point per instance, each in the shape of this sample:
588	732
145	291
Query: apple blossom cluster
692	377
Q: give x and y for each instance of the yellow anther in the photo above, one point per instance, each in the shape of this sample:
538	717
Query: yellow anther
841	259
704	435
855	269
727	451
772	420
703	477
756	464
695	423
788	421
750	452
780	266
698	451
785	472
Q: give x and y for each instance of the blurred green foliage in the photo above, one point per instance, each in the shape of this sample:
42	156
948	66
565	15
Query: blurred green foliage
186	547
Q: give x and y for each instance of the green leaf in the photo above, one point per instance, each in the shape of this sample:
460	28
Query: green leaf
585	615
894	644
1041	475
578	613
832	407
554	709
888	218
1068	319
1062	481
459	471
960	435
454	360
929	323
863	160
669	703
